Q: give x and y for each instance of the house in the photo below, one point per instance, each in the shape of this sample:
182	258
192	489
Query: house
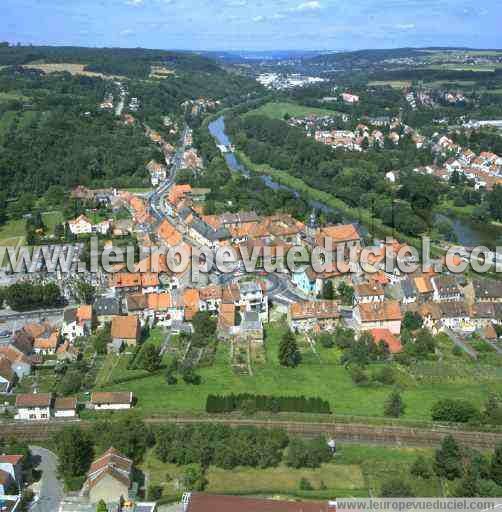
158	172
227	320
345	235
111	401
77	322
379	315
33	406
314	315
486	313
350	98
109	478
47	341
364	293
253	299
7	486
384	335
19	362
424	288
67	352
206	235
105	308
125	329
12	465
455	315
80	226
487	290
445	289
65	407
201	502
7	375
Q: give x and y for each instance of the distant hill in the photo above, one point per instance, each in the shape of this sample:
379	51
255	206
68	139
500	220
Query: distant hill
129	62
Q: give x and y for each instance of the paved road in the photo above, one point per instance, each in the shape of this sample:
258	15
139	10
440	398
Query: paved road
51	489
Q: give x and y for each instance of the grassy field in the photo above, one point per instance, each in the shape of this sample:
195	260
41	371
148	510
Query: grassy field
8	96
324	377
395	84
74	69
11	232
357	471
280	109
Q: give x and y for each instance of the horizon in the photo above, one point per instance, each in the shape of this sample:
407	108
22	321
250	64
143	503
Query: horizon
253	25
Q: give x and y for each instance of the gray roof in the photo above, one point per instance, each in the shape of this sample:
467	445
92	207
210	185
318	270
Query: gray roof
249	287
208	232
104	306
408	288
251	321
70	315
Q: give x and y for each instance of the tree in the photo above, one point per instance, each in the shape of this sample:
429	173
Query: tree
154	492
345	294
421	468
328	292
193	478
75	451
394	406
289	355
412	321
101	507
396	488
448	459
305	485
85	292
496	465
326	340
469	485
190	377
150	358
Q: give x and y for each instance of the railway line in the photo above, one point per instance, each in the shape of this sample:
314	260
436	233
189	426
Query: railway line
342	432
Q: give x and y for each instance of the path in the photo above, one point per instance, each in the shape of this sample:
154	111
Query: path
50	492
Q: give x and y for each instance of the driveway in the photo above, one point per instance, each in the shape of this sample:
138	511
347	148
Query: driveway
50	489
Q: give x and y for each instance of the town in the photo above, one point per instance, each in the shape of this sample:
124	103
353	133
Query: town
140	385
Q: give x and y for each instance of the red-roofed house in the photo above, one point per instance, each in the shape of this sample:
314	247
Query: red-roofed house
388	338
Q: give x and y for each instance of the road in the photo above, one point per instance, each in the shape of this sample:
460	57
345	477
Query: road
50	492
461	343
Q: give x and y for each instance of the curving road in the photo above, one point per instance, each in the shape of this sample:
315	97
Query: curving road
50	493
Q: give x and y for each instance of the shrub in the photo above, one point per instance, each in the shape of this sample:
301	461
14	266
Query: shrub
305	485
458	411
358	376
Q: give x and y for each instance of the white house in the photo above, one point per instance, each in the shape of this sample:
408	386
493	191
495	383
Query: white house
65	407
80	226
33	407
111	401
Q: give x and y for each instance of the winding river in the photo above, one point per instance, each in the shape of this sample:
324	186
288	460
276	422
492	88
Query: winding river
469	233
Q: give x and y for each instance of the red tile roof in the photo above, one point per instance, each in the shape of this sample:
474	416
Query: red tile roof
200	502
125	327
385	335
34	400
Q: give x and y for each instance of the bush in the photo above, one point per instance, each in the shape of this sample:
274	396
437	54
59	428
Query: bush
457	411
359	376
305	485
396	488
326	340
154	492
421	468
385	376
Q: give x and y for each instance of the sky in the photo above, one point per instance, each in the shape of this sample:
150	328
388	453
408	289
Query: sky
253	24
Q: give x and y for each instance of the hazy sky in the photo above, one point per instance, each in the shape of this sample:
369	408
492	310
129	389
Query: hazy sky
253	24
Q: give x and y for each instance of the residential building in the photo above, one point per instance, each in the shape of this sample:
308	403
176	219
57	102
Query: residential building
487	290
13	466
125	329
314	316
77	322
47	341
379	315
33	406
7	375
65	407
200	502
105	308
19	362
446	289
365	293
109	478
385	336
456	316
111	401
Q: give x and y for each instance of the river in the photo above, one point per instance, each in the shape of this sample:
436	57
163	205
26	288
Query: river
217	130
469	233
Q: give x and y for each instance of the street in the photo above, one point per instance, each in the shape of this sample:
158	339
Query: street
50	489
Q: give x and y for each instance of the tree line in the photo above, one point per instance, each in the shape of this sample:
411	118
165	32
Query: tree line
276	404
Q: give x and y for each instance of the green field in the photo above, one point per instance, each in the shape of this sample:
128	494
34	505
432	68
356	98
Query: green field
395	84
324	377
11	232
8	96
280	109
357	471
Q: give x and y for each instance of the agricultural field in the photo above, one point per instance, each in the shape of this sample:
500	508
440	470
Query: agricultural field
9	96
74	69
320	374
395	84
280	109
357	471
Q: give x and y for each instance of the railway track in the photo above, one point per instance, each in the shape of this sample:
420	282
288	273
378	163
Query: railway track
348	432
